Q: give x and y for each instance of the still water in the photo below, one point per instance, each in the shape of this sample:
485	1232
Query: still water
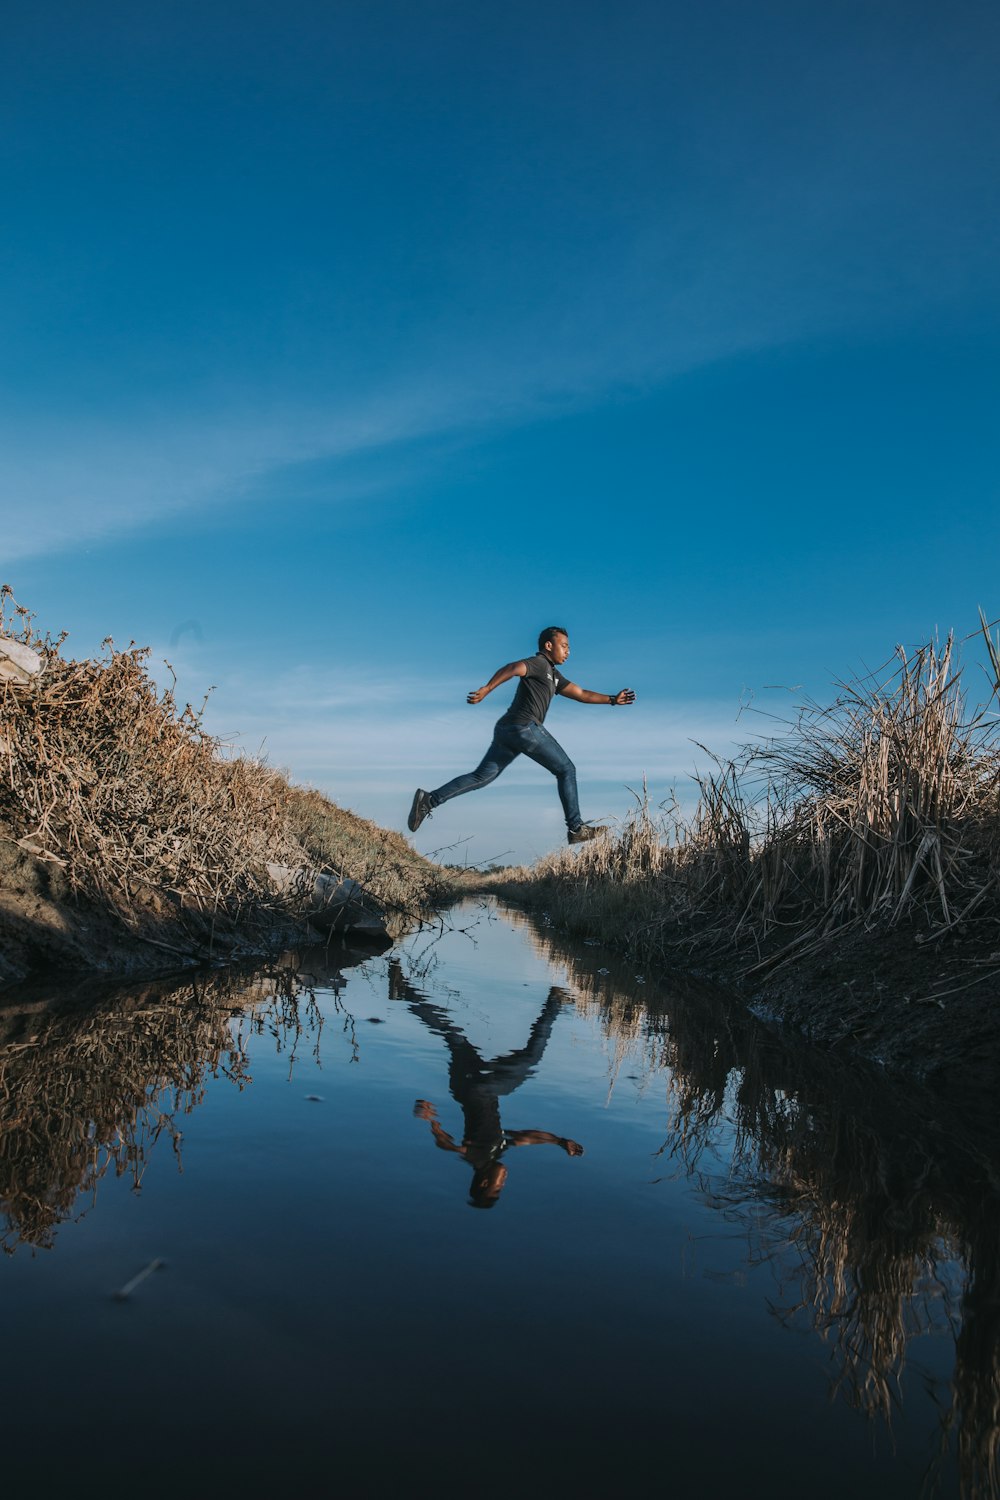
490	1213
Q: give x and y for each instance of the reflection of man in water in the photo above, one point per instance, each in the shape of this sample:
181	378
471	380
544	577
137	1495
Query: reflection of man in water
477	1085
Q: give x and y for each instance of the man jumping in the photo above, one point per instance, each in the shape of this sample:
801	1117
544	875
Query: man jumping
520	732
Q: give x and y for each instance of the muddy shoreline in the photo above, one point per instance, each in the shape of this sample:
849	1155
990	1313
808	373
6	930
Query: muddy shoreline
50	932
887	997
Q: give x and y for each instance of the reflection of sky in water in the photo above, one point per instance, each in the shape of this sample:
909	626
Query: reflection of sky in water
672	1307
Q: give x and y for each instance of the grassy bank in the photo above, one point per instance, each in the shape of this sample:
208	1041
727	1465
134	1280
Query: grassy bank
127	829
858	849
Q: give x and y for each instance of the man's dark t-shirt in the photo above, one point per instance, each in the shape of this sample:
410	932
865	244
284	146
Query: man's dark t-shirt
535	691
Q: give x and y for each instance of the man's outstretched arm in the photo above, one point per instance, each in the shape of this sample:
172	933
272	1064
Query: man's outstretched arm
543	1138
584	695
423	1110
504	674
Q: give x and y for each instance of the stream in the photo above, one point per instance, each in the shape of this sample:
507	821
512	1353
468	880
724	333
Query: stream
490	1212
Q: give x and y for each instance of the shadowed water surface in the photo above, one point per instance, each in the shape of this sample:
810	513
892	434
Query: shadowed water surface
488	1212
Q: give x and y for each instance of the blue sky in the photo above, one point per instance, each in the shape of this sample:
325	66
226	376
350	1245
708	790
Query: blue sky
345	345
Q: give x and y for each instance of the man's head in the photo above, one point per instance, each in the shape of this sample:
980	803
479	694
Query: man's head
554	643
487	1185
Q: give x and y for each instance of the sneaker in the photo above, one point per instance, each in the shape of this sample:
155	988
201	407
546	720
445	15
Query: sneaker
585	832
420	810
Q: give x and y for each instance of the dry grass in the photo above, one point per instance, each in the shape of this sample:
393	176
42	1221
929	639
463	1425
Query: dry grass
881	808
400	880
132	805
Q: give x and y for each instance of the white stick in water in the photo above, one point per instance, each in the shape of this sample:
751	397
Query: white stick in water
130	1286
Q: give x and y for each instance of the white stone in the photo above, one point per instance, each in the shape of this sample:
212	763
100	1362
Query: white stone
329	899
18	663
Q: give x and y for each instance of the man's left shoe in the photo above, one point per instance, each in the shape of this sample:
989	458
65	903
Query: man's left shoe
584	833
420	810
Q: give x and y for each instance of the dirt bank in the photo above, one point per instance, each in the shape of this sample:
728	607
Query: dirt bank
46	927
47	923
923	1011
132	841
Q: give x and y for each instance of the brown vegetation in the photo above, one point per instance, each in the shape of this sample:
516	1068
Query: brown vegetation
880	811
116	802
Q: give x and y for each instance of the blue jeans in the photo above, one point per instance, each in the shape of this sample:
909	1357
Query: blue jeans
509	741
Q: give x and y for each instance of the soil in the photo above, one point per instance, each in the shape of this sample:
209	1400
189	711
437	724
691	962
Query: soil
925	1009
45	928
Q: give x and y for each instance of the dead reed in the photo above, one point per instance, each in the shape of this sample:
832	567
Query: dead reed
128	801
881	808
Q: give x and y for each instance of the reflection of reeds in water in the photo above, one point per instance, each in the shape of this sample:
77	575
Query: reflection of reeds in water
972	1420
92	1091
877	1210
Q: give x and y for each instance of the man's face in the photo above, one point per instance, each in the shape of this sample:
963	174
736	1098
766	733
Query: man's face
557	649
486	1186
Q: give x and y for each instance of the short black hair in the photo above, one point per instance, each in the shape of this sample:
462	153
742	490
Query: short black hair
482	1193
549	632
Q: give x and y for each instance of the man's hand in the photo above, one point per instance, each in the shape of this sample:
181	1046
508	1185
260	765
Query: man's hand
477	696
587	695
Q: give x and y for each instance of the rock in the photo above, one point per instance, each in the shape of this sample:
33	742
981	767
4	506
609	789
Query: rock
18	663
334	905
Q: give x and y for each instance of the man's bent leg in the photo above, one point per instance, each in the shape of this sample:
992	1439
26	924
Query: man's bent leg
540	746
497	758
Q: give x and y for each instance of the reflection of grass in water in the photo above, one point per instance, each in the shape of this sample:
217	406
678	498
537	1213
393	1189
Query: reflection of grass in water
972	1420
879	1218
93	1092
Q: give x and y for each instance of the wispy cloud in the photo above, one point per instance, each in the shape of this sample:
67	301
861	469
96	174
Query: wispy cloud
676	224
666	301
70	482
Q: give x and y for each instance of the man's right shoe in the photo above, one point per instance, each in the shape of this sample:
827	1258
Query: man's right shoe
420	810
585	832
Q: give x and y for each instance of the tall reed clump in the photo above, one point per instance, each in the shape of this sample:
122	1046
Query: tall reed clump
883	807
128	799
